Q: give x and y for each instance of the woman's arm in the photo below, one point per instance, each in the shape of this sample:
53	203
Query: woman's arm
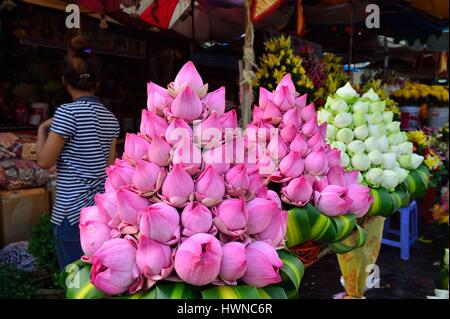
48	147
112	152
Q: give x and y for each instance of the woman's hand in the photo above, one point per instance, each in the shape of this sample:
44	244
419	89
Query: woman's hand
45	126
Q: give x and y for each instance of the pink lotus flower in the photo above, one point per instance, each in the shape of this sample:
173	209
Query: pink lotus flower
316	162
272	113
129	204
114	270
361	199
93	231
297	192
209	131
310	127
210	187
300	101
286	81
292	117
334	158
264	97
187	105
154	260
229	120
333	200
277	148
178	129
198	259
218	158
291	166
284	98
215	101
275	233
160	222
107	208
135	147
307	113
196	218
256	186
178	187
147	178
234	262
288	133
231	217
260	213
316	141
299	145
263	265
257	114
158	98
188	77
188	155
152	124
335	176
159	151
237	180
119	174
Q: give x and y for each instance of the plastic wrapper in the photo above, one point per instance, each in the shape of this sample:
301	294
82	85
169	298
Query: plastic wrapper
19	174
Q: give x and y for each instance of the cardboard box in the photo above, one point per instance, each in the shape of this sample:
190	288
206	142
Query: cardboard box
20	210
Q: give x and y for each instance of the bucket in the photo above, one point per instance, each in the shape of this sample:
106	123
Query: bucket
409	117
438	116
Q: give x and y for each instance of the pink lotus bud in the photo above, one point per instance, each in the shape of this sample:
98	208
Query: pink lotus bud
198	259
316	141
107	208
292	165
299	145
292	117
333	200
273	196
187	105
209	131
178	129
361	199
90	213
320	183
286	81
310	127
160	222
210	188
300	101
257	114
129	204
218	158
196	218
334	158
147	178
231	217
159	151
266	165
316	162
188	155
188	76
93	233
229	120
284	98
335	176
272	113
153	259
277	148
215	101
178	186
237	180
275	233
260	213
158	98
114	270
323	130
308	112
264	97
263	265
256	186
298	191
119	174
135	147
289	132
234	262
351	178
152	124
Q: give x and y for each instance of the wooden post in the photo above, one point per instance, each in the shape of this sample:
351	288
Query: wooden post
351	35
247	74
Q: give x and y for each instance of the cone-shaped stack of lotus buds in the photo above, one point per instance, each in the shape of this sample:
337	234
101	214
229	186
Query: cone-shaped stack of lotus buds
178	205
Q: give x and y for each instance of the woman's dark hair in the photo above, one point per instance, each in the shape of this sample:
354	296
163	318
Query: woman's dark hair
80	68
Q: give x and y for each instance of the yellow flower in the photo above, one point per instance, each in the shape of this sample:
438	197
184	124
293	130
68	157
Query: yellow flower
417	137
440	213
432	161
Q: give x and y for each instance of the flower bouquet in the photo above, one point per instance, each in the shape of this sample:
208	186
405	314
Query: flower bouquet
180	216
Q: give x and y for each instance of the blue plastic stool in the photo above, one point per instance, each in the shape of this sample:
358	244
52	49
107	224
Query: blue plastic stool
408	233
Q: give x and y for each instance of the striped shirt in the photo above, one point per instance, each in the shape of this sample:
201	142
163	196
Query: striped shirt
88	128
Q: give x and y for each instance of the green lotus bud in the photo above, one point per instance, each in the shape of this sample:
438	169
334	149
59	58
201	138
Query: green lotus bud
416	161
347	92
393	127
345	135
405	161
405	148
359	118
360	106
394	149
389	160
345	159
370	95
374	177
342	120
375	118
340	146
331	132
402	174
378	106
390	180
371	144
361	162
323	116
361	132
383	144
376	157
338	105
388	117
356	147
377	130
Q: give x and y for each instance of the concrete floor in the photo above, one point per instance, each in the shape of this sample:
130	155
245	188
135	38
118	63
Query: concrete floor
399	279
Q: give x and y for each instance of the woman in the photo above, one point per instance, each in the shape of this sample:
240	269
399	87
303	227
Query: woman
82	142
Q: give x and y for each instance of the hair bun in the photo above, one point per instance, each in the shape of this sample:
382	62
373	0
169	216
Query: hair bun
79	47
